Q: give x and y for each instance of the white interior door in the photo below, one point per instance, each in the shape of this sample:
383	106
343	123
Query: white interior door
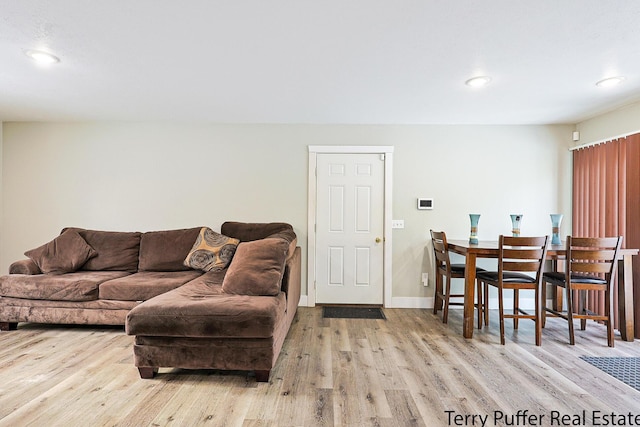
349	228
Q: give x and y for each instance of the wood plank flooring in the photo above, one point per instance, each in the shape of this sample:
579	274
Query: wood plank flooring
408	370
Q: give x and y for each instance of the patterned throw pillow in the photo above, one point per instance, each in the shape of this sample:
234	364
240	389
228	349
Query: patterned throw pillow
212	251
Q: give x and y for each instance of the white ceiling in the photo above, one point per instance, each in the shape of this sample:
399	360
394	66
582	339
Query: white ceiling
318	61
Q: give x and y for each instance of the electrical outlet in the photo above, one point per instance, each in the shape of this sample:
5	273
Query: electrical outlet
425	279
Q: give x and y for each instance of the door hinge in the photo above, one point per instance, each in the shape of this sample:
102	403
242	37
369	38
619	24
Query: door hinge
382	157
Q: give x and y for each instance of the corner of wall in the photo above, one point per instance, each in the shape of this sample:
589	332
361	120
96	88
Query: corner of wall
620	122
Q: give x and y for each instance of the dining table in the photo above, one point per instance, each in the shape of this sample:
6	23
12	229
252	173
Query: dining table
555	253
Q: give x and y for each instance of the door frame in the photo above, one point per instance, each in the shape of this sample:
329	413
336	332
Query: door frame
385	150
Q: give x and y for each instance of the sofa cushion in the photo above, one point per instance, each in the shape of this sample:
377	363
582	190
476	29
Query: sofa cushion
64	254
166	250
198	310
211	252
250	231
257	268
117	250
145	285
78	286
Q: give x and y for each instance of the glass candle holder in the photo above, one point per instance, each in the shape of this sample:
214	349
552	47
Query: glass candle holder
556	220
473	237
515	224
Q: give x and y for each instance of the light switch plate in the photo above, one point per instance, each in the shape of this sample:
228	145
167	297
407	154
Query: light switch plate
397	223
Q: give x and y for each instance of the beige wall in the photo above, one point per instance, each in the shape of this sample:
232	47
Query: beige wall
622	121
149	176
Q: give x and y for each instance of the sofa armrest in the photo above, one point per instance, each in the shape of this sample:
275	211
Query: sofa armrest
24	266
291	281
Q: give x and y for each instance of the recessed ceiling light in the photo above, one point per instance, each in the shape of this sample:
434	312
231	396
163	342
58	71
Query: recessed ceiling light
43	58
478	81
610	82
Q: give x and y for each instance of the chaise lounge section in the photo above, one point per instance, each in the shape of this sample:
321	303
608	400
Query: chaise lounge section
232	320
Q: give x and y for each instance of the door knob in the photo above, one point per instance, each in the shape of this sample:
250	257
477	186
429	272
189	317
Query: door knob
378	240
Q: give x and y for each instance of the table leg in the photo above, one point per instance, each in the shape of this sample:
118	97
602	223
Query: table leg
625	298
469	290
558	292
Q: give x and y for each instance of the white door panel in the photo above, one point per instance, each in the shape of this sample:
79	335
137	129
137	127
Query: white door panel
349	229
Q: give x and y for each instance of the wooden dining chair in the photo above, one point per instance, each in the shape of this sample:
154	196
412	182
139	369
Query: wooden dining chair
445	269
520	264
590	266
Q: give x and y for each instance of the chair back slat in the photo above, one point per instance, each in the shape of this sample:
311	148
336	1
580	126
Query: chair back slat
440	250
525	241
534	252
591	268
522	255
593	255
520	266
594	242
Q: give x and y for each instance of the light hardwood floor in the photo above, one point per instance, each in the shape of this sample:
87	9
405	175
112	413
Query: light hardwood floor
407	370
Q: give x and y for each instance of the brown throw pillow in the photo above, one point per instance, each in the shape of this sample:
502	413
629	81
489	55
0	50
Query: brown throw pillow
212	251
117	250
257	268
64	254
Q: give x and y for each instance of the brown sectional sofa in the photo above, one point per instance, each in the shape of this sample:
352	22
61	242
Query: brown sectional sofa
232	318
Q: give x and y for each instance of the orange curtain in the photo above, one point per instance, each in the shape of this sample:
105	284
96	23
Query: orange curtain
633	218
606	202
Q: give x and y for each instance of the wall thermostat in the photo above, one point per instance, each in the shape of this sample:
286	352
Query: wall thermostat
425	204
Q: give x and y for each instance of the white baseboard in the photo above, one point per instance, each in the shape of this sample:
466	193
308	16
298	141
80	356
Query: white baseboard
422	302
410	302
427	302
396	302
